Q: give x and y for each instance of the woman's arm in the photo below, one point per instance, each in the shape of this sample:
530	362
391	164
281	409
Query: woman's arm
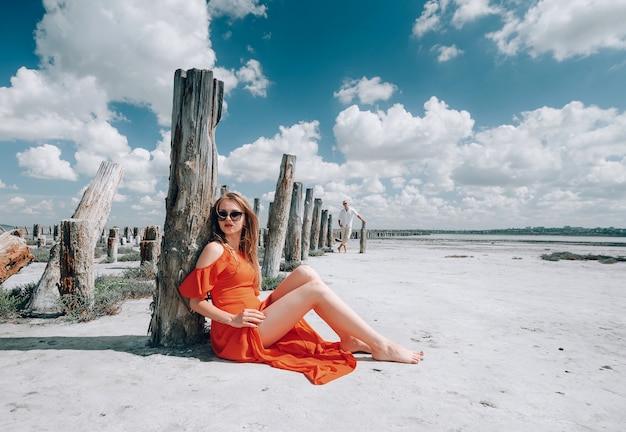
247	318
211	252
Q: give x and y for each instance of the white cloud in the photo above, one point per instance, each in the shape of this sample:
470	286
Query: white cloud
564	28
237	8
367	91
111	51
429	20
447	53
471	10
143	46
44	162
260	160
561	28
41	106
17	201
252	77
398	135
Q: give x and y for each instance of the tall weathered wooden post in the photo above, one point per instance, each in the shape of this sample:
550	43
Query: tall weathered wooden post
306	223
363	242
323	229
329	231
95	206
293	241
196	110
277	221
315	223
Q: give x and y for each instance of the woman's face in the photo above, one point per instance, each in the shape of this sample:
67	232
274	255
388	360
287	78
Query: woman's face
230	217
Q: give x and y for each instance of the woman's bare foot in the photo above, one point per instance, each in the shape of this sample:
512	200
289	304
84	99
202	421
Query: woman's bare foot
354	345
396	353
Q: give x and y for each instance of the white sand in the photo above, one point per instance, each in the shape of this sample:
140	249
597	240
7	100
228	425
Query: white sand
512	342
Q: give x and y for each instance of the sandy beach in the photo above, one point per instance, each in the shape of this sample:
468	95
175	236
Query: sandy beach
512	343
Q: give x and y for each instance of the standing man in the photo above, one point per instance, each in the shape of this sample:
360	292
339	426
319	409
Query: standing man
346	217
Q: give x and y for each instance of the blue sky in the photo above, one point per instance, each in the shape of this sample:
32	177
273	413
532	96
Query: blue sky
440	114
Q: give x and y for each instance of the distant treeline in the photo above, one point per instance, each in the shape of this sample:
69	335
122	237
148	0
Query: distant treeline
564	231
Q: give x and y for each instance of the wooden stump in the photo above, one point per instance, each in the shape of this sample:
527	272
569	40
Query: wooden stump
293	241
150	245
14	253
277	221
315	223
113	244
76	268
363	243
323	229
306	223
197	108
329	231
95	206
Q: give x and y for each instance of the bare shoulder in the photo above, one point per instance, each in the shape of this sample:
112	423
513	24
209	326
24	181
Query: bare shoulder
211	252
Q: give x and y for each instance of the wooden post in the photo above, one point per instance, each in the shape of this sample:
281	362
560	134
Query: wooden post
76	268
150	245
329	233
323	229
277	221
306	223
95	206
36	231
315	223
113	244
293	242
257	210
363	243
257	206
196	111
14	253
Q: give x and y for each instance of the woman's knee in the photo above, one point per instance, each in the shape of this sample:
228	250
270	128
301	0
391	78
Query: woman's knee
306	272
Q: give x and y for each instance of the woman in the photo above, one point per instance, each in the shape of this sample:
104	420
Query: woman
273	331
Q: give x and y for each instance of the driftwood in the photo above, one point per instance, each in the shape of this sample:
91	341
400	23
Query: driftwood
14	253
277	220
196	110
293	241
95	207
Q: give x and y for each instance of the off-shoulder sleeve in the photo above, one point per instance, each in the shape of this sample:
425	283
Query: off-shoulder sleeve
201	280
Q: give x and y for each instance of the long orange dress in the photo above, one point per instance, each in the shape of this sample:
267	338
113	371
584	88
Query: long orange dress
230	282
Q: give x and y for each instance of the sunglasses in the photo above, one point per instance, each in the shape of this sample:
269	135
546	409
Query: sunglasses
234	215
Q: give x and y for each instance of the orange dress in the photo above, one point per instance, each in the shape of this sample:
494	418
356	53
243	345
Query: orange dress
230	283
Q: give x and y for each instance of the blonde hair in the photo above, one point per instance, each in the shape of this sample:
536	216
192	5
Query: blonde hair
248	243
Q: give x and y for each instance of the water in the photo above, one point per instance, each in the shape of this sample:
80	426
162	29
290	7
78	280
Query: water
498	238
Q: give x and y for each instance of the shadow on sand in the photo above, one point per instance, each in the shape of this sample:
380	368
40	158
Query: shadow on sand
132	344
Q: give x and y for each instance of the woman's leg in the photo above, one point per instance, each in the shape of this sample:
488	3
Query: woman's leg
306	291
302	275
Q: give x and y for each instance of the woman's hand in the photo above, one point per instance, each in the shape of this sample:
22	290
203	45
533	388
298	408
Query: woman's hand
248	318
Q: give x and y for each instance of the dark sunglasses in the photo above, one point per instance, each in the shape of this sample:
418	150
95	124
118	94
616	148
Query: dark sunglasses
234	215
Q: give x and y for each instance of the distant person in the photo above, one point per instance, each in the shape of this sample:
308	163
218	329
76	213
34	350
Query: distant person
345	220
225	285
